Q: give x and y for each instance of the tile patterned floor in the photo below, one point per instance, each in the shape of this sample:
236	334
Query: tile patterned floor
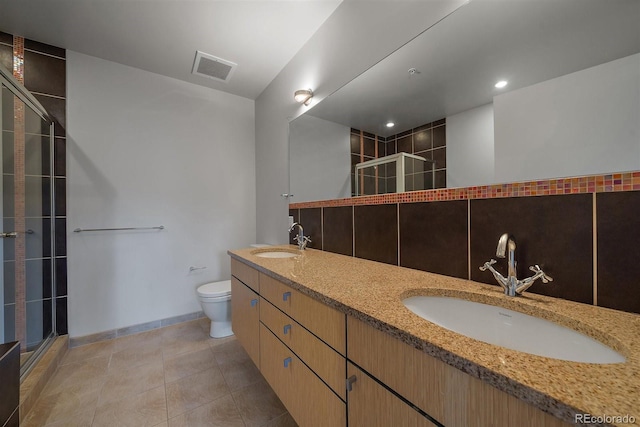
171	377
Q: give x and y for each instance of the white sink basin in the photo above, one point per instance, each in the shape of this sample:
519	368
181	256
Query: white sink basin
276	254
510	329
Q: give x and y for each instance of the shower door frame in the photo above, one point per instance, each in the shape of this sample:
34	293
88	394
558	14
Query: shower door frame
18	90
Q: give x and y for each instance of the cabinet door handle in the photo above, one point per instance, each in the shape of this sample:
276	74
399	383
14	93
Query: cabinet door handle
287	328
352	379
287	362
254	302
286	296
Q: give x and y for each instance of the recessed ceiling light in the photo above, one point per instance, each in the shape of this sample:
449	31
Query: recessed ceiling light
390	124
501	84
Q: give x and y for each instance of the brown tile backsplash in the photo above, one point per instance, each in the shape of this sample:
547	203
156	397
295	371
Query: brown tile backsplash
369	145
338	230
355	143
45	48
60	161
391	147
376	233
555	232
439	136
422	140
6	38
44	74
552	221
6	57
440	157
405	144
433	237
295	213
618	225
311	221
56	107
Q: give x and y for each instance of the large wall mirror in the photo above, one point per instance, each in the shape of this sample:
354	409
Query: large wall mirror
570	107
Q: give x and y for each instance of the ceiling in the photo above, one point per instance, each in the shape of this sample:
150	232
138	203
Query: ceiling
461	57
162	36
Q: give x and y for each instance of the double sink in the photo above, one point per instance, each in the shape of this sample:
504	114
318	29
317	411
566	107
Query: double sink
497	325
511	329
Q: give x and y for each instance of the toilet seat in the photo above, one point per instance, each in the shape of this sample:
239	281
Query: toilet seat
215	289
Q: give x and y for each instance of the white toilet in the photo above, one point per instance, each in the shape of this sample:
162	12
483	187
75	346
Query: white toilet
215	299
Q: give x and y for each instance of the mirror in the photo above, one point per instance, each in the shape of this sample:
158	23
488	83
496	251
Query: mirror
571	105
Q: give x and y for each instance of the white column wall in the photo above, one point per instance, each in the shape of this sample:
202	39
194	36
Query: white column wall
470	147
319	159
148	150
582	123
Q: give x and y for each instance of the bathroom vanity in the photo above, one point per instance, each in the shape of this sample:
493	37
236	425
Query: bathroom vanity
332	337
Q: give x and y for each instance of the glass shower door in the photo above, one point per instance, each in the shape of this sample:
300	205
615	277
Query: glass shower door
26	194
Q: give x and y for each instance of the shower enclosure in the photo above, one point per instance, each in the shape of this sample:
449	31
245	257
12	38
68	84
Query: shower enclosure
395	173
27	272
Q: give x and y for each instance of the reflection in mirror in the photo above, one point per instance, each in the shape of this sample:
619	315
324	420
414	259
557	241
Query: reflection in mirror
571	105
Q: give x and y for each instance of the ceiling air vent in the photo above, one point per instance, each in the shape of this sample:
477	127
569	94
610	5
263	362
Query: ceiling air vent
212	67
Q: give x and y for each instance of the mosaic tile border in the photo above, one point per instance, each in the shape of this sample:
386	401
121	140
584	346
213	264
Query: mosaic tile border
623	181
19	197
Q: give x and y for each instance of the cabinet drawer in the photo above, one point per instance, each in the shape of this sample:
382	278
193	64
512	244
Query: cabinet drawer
323	321
447	394
322	359
245	318
247	275
370	404
309	401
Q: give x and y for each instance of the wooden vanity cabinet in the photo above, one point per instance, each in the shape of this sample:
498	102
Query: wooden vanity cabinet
447	394
245	317
328	364
371	404
306	350
309	401
325	322
298	343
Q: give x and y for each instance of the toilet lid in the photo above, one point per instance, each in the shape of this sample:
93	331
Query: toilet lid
215	289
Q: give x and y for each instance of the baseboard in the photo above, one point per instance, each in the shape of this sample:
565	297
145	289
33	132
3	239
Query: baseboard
134	329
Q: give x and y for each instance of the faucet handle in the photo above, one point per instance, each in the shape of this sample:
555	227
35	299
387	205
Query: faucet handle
488	264
536	269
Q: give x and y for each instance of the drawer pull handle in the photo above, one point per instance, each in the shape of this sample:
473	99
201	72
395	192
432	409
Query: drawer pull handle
286	296
287	328
352	379
287	362
254	302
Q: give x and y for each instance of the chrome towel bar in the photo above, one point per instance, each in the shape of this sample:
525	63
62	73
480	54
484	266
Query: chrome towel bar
80	230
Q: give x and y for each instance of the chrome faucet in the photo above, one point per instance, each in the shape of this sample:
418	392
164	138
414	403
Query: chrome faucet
511	285
300	238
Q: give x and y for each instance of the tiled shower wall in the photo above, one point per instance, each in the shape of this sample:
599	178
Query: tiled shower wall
43	71
428	141
583	232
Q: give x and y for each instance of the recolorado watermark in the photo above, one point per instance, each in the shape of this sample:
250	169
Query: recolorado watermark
602	419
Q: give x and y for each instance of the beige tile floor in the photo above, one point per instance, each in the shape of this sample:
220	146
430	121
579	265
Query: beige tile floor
171	377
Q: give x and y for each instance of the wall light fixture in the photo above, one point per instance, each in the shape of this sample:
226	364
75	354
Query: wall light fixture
303	96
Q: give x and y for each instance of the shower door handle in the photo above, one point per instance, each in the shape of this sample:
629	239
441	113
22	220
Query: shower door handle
11	234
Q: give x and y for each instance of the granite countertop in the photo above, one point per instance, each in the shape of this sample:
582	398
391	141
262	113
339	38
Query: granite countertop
373	293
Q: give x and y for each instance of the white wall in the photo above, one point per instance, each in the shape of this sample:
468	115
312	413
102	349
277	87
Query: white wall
146	150
319	160
348	43
470	158
579	124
